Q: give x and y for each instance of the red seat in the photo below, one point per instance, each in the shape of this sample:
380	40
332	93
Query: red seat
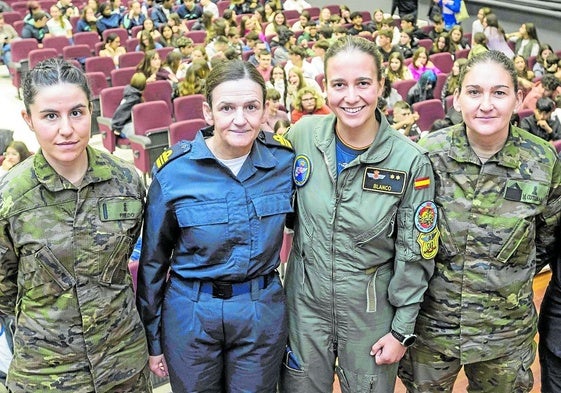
291	14
12	16
20	63
425	43
135	30
185	130
150	119
440	81
189	107
109	100
525	113
56	42
159	90
448	102
18	26
403	87
462	53
314	12
81	51
130	59
37	55
121	32
122	76
198	36
443	61
99	63
429	111
131	44
163	52
89	38
97	83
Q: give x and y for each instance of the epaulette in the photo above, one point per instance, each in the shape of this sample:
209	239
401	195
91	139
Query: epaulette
270	139
171	154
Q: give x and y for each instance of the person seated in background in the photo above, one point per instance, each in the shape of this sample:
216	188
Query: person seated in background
437	28
479	45
540	123
189	10
274	111
408	23
36	28
421	63
15	153
59	25
359	28
442	44
147	43
548	86
281	126
135	16
121	123
108	19
545	50
7	35
424	88
385	46
308	102
405	120
113	48
87	21
406	44
525	76
264	64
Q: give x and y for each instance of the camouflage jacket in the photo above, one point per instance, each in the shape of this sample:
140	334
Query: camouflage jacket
497	224
63	270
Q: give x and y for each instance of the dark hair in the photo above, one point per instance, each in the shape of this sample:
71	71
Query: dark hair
531	31
355	43
409	18
492	56
232	70
52	72
545	105
21	148
550	82
111	37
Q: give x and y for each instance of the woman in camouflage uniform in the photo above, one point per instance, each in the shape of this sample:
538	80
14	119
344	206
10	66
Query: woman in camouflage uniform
69	217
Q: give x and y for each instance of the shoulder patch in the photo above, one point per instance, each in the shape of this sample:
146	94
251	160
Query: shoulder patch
171	154
270	139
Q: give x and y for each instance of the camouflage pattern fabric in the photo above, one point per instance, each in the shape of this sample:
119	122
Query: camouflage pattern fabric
63	270
497	224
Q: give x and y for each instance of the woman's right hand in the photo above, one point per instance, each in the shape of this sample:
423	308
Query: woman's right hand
158	365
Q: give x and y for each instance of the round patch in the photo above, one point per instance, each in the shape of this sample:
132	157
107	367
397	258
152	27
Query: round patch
302	170
426	217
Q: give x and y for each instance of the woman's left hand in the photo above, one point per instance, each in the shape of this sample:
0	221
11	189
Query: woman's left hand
387	350
158	365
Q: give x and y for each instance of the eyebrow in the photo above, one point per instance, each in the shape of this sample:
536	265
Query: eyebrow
494	87
78	106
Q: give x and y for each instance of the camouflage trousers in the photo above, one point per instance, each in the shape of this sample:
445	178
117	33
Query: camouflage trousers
424	370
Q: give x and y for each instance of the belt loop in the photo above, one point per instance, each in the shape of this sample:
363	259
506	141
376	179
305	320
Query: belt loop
255	287
195	290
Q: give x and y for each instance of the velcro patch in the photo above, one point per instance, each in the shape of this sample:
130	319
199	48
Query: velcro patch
120	208
526	192
387	181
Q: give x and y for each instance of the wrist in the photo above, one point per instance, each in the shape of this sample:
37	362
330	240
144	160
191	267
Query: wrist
406	340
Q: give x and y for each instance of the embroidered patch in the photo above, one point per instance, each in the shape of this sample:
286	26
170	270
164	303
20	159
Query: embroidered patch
387	181
429	243
163	158
426	217
526	192
121	208
421	182
302	170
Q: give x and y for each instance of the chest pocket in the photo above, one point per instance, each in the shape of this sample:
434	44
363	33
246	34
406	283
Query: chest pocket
204	227
271	211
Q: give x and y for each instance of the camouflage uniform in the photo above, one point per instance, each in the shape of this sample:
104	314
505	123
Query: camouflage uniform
63	269
497	222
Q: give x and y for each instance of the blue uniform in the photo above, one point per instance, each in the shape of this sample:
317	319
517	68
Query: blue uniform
220	318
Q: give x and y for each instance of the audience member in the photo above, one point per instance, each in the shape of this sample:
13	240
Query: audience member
544	51
526	40
540	123
496	39
424	88
87	21
15	153
121	123
477	25
274	110
452	80
421	63
59	25
405	120
396	69
108	19
7	35
479	45
457	39
36	28
308	101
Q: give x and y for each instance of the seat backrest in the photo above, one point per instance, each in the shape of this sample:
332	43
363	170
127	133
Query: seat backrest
110	98
462	53
56	42
291	14
18	26
198	36
99	63
403	87
150	115
76	52
159	90
21	7
89	38
522	113
425	43
11	16
97	82
440	81
429	111
122	76
37	55
163	52
135	30
185	130
121	32
448	102
131	44
314	12
188	107
21	48
130	59
443	61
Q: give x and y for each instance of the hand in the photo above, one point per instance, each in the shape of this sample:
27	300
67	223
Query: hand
158	365
543	124
387	350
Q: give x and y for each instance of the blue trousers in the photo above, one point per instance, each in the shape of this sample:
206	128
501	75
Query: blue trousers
217	345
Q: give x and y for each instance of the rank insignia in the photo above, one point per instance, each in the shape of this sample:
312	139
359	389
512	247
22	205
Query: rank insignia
387	181
429	243
302	170
426	217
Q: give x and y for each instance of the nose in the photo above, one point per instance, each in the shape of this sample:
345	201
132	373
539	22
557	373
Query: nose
239	116
65	126
486	103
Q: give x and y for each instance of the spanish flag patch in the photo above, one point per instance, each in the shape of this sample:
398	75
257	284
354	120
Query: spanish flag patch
421	182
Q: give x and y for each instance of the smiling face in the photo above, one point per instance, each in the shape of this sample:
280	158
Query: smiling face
61	119
237	112
352	92
487	100
395	64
